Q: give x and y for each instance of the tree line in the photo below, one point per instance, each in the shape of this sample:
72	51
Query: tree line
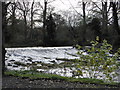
34	24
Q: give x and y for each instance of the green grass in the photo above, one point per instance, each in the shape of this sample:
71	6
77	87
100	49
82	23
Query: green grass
92	81
34	75
38	75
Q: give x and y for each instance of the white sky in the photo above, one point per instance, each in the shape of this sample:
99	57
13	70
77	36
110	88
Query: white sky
64	4
61	4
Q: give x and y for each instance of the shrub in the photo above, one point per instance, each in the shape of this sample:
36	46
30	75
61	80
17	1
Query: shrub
98	62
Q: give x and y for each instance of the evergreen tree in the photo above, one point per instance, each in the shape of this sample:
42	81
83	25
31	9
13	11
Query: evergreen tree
96	27
50	39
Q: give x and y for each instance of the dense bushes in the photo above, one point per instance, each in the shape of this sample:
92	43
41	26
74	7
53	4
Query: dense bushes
97	62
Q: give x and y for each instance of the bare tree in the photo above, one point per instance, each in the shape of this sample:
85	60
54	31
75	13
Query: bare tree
35	9
32	21
44	19
104	10
12	16
105	18
24	8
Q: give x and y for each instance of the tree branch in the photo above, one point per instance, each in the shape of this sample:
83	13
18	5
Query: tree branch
97	6
74	8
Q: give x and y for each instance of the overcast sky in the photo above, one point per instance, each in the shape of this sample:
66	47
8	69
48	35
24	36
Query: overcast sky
64	4
61	4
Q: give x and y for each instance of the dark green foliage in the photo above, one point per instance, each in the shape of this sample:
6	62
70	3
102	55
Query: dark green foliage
15	38
50	37
96	27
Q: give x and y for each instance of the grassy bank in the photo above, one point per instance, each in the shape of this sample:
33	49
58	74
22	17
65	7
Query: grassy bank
38	75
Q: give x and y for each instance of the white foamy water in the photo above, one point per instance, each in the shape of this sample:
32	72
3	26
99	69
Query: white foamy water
40	53
47	55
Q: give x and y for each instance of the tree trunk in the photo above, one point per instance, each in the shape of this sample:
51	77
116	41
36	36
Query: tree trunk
115	17
25	26
13	18
31	26
104	19
84	22
44	22
4	27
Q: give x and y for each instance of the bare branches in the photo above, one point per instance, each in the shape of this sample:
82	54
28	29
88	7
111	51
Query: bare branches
40	5
24	7
109	8
74	8
97	6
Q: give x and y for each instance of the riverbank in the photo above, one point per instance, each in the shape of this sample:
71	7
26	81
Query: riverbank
18	82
